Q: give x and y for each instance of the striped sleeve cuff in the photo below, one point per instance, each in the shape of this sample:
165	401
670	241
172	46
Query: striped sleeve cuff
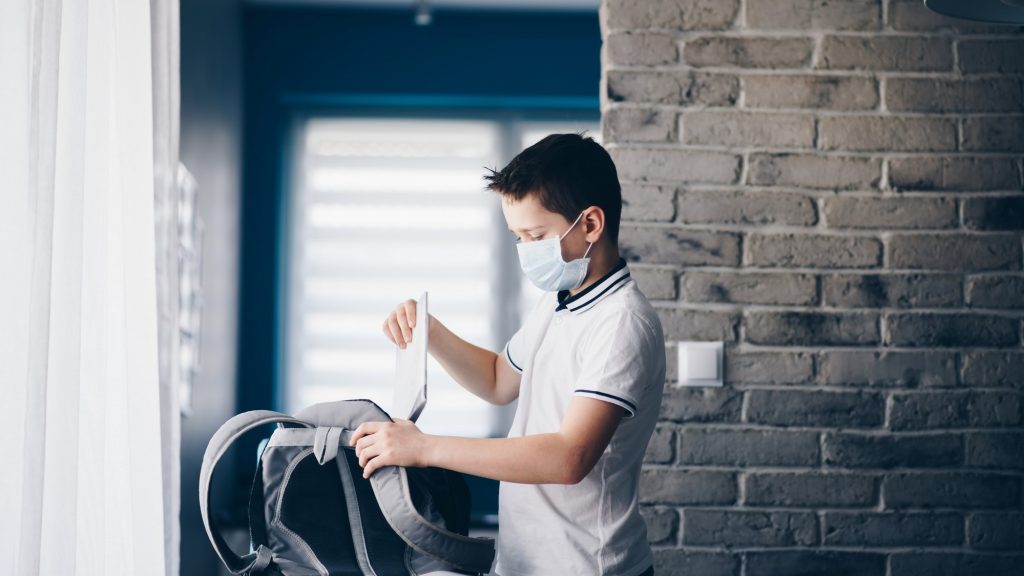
617	400
512	362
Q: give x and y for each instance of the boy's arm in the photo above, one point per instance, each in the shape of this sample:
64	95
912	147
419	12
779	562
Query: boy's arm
476	369
562	457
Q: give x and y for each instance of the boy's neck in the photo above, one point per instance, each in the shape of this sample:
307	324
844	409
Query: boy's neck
601	262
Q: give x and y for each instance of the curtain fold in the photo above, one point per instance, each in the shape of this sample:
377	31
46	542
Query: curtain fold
91	447
166	114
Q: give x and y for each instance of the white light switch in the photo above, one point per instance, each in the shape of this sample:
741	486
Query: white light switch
700	363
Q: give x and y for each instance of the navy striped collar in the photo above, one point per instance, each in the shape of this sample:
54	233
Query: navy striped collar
586	298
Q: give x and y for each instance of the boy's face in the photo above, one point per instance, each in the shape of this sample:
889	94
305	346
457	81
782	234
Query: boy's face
529	221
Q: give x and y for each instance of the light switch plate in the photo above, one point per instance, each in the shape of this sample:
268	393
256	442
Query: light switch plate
701	363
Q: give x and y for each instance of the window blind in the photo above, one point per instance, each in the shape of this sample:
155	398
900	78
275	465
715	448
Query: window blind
382	209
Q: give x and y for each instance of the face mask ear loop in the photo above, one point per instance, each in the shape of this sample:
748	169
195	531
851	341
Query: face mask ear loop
573	226
589	246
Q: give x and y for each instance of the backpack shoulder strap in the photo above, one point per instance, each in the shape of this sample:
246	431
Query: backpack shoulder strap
391	488
219	444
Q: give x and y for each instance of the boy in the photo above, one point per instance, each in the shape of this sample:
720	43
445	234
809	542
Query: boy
587	366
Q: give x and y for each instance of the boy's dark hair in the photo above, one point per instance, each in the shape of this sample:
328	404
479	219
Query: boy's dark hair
568	173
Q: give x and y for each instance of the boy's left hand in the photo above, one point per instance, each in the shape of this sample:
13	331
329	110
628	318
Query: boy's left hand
398	443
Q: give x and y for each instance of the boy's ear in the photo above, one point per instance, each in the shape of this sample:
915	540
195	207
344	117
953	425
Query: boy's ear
593	223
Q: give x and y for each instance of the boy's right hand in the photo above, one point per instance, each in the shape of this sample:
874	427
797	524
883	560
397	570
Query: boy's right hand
399	324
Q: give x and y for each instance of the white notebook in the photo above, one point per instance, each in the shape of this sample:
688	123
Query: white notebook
411	369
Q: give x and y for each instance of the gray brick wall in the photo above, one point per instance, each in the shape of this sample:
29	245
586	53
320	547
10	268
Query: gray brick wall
834	189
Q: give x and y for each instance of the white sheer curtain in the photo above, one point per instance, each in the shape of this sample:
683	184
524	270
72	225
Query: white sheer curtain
88	424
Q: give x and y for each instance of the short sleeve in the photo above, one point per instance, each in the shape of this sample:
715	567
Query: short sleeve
515	350
618	360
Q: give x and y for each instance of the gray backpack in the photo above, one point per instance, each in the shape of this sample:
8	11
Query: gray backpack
311	512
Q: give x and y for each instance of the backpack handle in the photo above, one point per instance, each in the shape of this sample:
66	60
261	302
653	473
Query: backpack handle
391	488
225	436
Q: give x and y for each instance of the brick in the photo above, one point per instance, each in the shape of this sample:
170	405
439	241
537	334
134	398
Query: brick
887	134
655	283
775	367
746	208
671	364
701	404
743	448
815	408
987	56
996	291
815	562
950	490
996	531
639	125
857	450
678	246
993	134
804	91
887	368
893	529
955	252
648	202
958	174
749	528
933	95
693	324
811	328
813	171
890	213
662	524
810	490
905	53
640	164
953	564
950	329
661	449
677	88
689	561
812	250
813	15
748	52
671	14
1001	450
634	48
749	288
731	128
994	212
912	15
687	487
954	409
993	369
892	290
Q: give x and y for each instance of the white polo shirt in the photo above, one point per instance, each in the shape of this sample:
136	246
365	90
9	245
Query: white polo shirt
606	343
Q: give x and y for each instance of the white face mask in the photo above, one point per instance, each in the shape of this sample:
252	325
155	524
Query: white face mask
541	261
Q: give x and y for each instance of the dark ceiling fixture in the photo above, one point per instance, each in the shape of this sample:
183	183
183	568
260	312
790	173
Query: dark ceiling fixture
995	11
